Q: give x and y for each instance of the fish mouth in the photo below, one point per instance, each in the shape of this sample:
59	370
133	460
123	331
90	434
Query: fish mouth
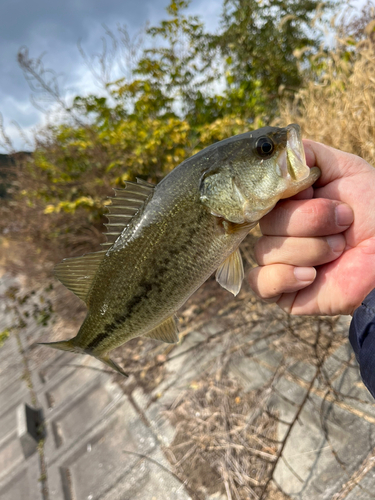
291	163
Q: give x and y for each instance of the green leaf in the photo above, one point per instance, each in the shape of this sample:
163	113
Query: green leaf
4	335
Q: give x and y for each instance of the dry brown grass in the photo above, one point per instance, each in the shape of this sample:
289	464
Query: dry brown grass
226	435
339	108
226	438
222	442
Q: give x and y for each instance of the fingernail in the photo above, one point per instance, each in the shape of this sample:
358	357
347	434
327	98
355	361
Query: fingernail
344	215
306	274
336	242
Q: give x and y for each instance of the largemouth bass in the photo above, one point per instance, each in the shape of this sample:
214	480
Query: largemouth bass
165	241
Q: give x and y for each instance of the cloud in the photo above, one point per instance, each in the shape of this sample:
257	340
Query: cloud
55	28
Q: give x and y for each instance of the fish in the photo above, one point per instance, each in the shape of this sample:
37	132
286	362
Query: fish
165	241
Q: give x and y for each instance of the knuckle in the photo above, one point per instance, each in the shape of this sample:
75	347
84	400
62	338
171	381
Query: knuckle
257	282
259	250
273	285
317	213
252	278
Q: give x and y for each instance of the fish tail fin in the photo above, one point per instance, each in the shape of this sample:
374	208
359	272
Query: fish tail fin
63	345
68	345
112	364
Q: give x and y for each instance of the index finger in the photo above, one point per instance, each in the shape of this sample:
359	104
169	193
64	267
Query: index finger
306	218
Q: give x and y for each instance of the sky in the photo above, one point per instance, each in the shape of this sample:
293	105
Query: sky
54	28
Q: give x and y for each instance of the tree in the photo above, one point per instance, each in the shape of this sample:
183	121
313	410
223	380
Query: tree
168	105
260	41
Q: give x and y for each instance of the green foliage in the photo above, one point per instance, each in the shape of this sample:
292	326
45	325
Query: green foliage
34	307
260	41
4	335
186	90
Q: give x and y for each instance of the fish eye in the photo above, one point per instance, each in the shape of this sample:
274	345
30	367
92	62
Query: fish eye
264	146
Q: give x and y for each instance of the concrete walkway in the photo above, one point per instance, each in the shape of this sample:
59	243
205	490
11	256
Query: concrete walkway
96	440
107	443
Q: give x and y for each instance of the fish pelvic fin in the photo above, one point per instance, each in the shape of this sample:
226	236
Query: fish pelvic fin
63	345
109	362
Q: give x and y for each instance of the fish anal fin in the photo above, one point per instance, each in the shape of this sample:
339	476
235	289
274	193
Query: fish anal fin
230	274
109	362
166	331
78	273
124	205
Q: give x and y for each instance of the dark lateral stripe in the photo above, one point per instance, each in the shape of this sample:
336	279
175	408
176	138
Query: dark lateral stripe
97	340
145	289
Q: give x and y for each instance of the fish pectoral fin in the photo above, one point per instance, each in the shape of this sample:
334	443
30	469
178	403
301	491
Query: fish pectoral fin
230	274
109	362
245	227
166	331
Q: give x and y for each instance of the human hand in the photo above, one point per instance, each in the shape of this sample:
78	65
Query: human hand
317	252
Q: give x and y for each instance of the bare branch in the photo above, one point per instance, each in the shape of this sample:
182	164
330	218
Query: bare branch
6	141
42	81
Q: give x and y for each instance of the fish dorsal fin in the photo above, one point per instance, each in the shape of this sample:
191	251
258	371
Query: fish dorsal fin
145	183
124	205
78	273
230	274
166	331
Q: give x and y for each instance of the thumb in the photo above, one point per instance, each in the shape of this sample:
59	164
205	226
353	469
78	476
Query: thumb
333	163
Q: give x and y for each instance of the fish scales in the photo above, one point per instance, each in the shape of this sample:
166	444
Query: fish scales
180	245
176	235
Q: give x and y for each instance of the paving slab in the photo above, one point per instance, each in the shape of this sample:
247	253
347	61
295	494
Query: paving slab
250	373
106	444
364	491
315	463
148	481
23	482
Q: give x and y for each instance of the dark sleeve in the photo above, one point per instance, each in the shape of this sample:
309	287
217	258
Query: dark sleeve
362	338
